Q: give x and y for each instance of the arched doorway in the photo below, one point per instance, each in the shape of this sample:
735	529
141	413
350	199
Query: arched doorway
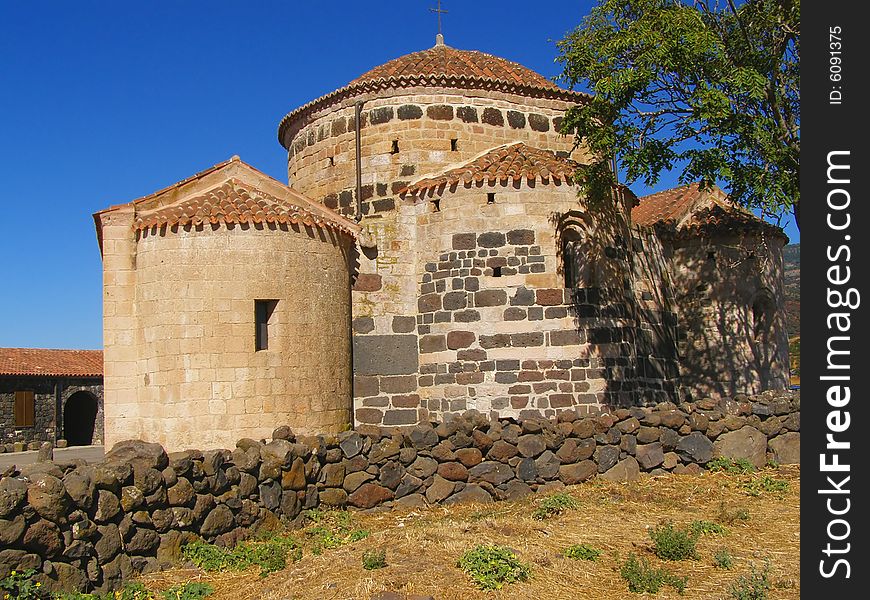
79	419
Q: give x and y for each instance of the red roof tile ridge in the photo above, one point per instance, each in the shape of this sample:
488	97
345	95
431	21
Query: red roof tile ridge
51	361
236	201
233	159
169	206
513	161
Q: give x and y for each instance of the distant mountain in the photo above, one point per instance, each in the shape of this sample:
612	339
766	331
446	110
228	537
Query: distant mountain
791	258
791	262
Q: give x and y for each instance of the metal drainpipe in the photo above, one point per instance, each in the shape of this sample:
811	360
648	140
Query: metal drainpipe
359	215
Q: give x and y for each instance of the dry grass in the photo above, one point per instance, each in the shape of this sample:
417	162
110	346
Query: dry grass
422	546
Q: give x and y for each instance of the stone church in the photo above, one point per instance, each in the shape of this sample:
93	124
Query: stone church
429	254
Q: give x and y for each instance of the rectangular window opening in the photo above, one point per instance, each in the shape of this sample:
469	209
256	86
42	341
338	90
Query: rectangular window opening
454	145
263	310
24	408
496	271
490	198
395	148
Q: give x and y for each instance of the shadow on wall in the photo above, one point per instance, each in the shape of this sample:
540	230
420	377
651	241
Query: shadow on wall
633	336
730	324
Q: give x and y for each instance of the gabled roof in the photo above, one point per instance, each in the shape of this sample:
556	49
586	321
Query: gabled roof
229	192
513	162
231	202
690	210
58	363
442	66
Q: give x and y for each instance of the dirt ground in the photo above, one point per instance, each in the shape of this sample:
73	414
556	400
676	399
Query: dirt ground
422	546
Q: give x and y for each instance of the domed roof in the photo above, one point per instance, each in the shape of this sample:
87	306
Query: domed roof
446	61
444	67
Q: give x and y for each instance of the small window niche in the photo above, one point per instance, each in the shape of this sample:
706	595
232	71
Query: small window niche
496	271
263	310
394	149
490	198
436	205
454	145
574	263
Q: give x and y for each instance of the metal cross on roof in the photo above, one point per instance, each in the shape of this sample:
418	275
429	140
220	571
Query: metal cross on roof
439	12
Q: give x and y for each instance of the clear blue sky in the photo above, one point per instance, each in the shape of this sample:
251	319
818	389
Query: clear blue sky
104	102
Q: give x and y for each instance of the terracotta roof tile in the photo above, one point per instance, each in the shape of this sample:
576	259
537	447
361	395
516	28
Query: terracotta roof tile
447	61
668	205
688	210
234	202
505	163
38	361
441	66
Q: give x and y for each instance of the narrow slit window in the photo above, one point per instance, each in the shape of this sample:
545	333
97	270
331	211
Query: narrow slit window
24	408
331	161
490	198
395	148
263	310
454	145
496	271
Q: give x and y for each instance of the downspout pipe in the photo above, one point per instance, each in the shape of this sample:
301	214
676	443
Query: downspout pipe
358	217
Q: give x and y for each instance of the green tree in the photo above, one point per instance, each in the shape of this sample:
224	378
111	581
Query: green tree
708	87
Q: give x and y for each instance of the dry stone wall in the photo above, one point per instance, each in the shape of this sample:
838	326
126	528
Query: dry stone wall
93	526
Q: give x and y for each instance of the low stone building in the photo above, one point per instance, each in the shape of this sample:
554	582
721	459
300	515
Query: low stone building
50	395
484	279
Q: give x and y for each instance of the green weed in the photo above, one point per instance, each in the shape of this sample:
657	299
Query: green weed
19	585
723	559
582	552
554	505
491	567
674	544
269	555
331	529
374	559
753	586
765	485
707	528
641	577
740	466
188	591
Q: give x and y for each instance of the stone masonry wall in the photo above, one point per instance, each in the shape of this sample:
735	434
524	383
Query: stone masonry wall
185	347
44	414
730	300
93	526
50	396
496	328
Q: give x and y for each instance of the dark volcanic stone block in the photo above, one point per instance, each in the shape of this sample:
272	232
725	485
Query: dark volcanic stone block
385	354
521	237
409	111
432	343
468	114
491	239
490	298
493	116
516	119
404	324
539	122
381	115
